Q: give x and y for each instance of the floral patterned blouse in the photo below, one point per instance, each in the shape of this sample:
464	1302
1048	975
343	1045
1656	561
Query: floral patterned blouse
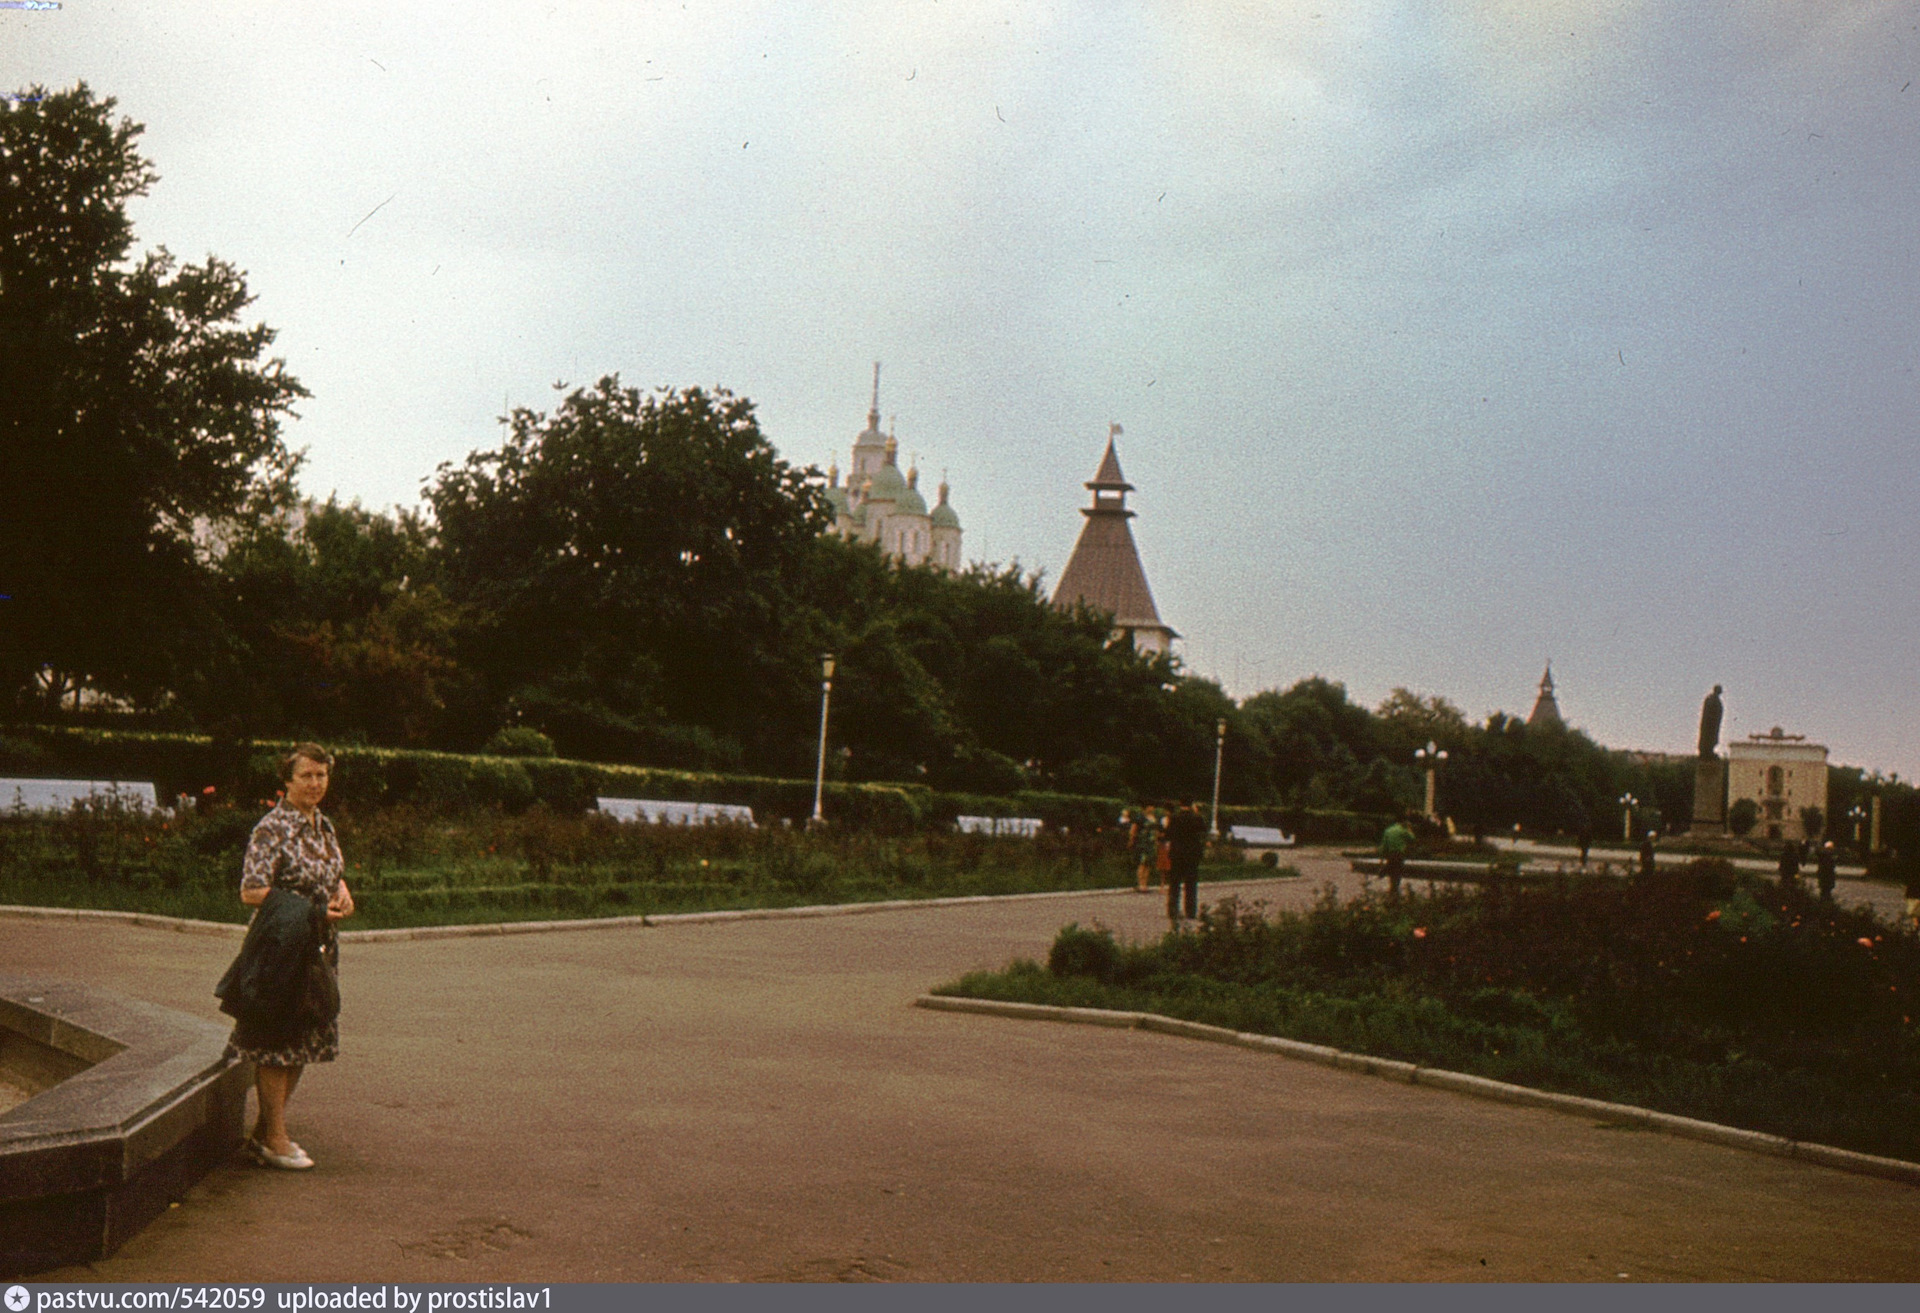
291	852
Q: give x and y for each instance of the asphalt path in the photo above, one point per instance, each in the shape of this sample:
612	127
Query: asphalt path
758	1100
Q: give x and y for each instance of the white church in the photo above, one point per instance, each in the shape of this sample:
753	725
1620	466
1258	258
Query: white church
879	505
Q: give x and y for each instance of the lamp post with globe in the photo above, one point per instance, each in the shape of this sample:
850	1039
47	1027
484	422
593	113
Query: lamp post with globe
820	772
1431	756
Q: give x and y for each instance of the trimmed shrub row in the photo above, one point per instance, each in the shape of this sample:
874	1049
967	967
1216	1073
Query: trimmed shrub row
367	778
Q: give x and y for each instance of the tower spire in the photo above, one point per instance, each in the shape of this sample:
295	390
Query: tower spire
873	411
1546	708
1104	571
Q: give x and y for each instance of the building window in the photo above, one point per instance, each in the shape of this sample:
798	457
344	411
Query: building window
1775	781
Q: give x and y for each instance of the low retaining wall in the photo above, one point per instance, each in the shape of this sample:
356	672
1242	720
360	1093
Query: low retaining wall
131	1103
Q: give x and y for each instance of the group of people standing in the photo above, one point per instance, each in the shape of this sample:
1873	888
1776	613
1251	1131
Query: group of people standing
1826	861
1167	844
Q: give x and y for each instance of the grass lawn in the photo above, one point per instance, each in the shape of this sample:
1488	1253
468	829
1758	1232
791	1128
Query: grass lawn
1732	1001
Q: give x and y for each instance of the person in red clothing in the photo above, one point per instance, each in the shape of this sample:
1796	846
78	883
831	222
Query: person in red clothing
1186	843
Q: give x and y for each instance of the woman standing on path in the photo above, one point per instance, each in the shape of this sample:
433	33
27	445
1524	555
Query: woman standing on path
1144	839
293	848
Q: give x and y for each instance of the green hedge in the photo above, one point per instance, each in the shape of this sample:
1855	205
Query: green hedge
374	777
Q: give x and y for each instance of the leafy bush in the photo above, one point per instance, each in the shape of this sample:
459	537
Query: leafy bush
1812	821
1090	952
519	741
1743	816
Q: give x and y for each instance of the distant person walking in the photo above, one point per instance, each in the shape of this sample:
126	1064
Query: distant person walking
1647	864
1913	898
1393	854
1586	841
1826	869
1186	844
1790	854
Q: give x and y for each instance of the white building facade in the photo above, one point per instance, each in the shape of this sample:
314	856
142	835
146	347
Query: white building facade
1783	775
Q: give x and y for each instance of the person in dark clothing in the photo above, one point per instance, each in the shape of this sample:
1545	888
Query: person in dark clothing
1186	843
1586	841
1647	866
1826	869
1790	853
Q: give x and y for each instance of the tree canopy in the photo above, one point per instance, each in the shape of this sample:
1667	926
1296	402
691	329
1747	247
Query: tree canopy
632	557
135	407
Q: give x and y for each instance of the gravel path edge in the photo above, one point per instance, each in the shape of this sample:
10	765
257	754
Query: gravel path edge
154	920
1825	1155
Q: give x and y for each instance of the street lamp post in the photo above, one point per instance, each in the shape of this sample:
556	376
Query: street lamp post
820	772
1431	756
1856	815
1219	755
1627	803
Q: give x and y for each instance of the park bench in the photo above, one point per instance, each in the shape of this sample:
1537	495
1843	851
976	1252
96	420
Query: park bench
61	795
1259	843
657	812
1024	827
1466	872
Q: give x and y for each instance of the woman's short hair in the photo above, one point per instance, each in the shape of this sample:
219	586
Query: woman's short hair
304	752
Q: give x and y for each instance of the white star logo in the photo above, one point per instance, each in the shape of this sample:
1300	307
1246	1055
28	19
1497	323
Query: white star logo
18	1298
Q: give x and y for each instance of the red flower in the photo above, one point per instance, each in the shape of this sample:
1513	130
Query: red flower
1714	915
1419	932
1864	942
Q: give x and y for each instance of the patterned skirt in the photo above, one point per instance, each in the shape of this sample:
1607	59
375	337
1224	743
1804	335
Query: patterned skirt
266	1047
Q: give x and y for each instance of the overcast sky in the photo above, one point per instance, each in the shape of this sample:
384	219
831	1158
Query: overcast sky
1447	338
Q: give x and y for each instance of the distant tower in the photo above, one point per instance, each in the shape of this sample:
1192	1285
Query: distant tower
945	523
1546	711
870	447
1104	571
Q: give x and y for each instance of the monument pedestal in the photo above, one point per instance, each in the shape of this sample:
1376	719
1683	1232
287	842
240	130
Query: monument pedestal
1709	796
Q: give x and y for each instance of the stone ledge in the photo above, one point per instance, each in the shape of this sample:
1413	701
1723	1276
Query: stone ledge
1846	1160
88	1161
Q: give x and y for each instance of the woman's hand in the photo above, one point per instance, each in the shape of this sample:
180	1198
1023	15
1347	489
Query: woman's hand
340	906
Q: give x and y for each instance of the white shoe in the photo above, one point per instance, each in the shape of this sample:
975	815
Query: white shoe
296	1161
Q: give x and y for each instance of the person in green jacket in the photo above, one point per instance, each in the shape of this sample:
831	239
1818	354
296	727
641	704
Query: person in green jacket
1393	850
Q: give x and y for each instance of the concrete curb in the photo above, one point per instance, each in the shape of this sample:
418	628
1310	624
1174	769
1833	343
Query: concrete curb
148	919
184	926
1824	1155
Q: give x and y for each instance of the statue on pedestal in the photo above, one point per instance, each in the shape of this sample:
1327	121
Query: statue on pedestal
1709	771
1710	714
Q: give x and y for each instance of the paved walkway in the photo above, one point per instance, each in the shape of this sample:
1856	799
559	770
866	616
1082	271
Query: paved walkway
758	1100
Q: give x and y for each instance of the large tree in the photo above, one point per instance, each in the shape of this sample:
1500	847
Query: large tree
631	557
135	410
335	627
